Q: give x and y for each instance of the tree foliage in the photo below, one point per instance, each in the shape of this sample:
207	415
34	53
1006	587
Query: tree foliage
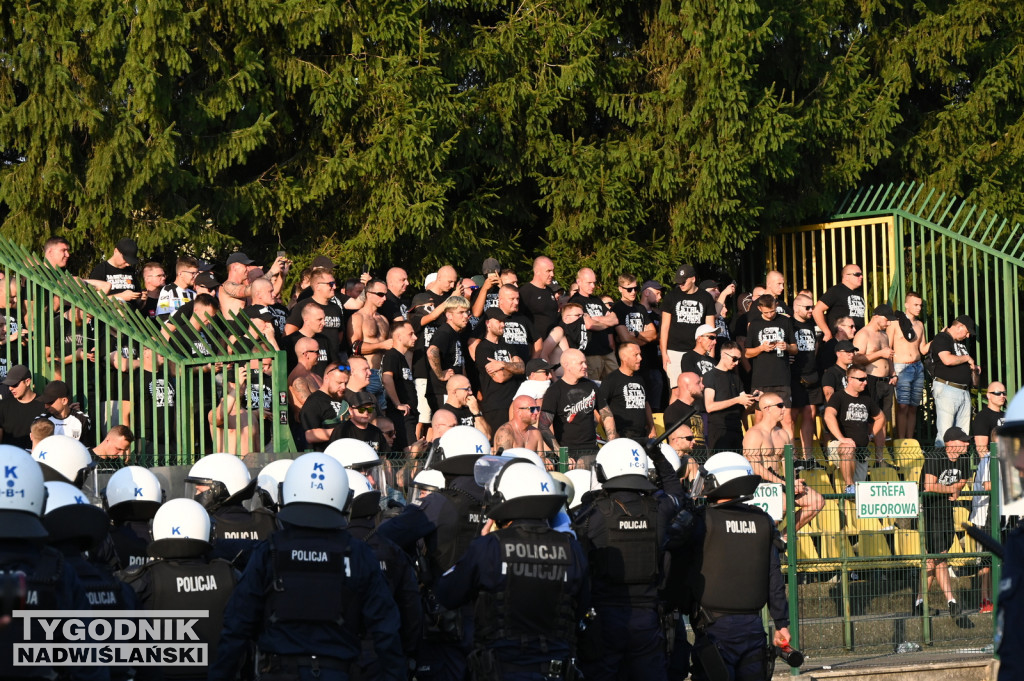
623	135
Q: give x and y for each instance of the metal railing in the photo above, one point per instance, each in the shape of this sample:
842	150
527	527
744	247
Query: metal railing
183	394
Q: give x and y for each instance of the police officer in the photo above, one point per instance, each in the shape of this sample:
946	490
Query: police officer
528	580
268	482
33	576
1009	638
132	497
76	527
358	456
182	576
446	521
622	529
732	549
399	571
309	591
63	459
223	486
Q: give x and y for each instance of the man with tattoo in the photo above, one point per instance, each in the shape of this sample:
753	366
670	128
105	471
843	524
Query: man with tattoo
368	331
521	429
302	382
622	398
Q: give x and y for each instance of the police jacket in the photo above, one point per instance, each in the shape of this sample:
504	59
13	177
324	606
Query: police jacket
732	553
447	521
236	531
311	592
1009	638
531	587
400	575
622	533
50	585
130	540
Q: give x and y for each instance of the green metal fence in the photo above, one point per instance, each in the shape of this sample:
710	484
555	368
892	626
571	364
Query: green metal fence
210	385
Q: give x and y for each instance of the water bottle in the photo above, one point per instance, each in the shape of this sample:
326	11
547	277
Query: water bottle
780	353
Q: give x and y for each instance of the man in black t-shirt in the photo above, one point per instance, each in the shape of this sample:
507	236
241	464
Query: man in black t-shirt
119	271
500	370
943	477
446	355
804	376
726	401
992	416
701	360
845	299
312	319
599	322
833	380
537	301
325	408
19	407
852	418
393	308
955	374
323	284
636	325
770	343
683	309
263	302
689	391
570	406
358	426
622	399
399	384
658	384
461	401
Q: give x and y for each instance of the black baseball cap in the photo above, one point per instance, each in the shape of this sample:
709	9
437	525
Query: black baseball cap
707	284
496	313
885	310
421	299
539	365
207	280
491	265
955	434
16	374
129	250
239	256
53	391
322	262
362	398
845	346
968	322
685	272
650	283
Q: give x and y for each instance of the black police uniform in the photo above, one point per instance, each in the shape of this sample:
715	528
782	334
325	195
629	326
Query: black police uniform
531	588
236	531
50	584
732	551
305	597
623	533
180	575
447	521
130	540
1009	638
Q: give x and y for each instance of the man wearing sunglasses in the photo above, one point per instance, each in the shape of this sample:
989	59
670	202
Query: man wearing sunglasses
358	426
955	374
852	418
989	418
521	429
323	286
725	400
805	379
845	299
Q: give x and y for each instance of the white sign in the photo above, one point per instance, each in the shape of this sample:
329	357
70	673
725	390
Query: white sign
887	499
770	497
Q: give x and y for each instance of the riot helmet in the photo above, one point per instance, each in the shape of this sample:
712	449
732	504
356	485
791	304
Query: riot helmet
70	517
132	493
726	475
564	485
524	453
181	527
582	482
361	457
365	498
224	478
315	492
23	495
622	464
426	482
269	481
458	449
1010	439
63	459
517	489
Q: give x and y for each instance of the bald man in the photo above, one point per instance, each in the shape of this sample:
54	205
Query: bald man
461	401
599	321
537	299
845	299
302	382
397	281
570	405
521	429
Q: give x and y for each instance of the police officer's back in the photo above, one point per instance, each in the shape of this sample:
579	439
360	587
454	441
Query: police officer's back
622	529
63	459
33	576
223	486
181	575
309	590
132	497
1009	636
528	580
732	550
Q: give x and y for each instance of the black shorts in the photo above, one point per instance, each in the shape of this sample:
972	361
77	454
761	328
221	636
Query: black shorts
783	391
883	397
807	394
939	532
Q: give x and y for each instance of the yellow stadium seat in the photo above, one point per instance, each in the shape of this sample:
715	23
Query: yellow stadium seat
659	423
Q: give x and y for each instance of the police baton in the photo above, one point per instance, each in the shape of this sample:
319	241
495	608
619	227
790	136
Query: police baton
990	543
652	445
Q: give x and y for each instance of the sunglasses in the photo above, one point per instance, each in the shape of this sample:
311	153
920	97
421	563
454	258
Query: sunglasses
710	335
378	293
734	358
688	438
388	433
363	410
859	378
532	410
628	289
342	367
856	274
997	392
329	284
777	404
806	307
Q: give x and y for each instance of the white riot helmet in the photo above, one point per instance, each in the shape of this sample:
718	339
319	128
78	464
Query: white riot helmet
181	520
1010	438
726	475
427	481
359	456
458	449
524	453
315	492
581	482
270	478
365	497
22	495
517	489
225	476
565	485
70	517
133	493
63	459
622	464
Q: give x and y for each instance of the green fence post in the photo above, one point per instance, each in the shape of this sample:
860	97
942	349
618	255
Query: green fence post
994	518
791	551
563	459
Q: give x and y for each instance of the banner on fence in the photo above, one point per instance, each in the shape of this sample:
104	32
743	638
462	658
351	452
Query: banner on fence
887	499
770	497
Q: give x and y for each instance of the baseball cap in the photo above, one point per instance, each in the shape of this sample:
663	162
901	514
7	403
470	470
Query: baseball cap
129	250
539	365
430	279
239	256
258	312
53	391
322	262
885	310
706	284
845	346
650	283
968	322
955	434
207	280
703	329
556	287
685	272
496	313
362	398
421	299
491	265
17	374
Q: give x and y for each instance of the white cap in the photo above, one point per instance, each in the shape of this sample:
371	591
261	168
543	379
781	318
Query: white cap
703	329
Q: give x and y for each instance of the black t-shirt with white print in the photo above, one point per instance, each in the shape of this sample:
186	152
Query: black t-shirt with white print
700	365
855	415
961	373
448	341
120	278
626	397
844	301
573	409
805	362
598	343
687	311
393	362
769	369
497	397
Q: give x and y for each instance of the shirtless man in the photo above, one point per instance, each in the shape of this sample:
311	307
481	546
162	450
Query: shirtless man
302	382
908	366
875	355
369	329
764	445
521	429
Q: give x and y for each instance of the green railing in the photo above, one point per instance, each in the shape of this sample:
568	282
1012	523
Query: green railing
182	396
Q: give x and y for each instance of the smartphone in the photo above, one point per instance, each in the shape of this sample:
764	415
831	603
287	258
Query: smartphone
366	268
281	254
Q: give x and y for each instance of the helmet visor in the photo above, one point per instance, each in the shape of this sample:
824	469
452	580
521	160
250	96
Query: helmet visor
487	470
1011	472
